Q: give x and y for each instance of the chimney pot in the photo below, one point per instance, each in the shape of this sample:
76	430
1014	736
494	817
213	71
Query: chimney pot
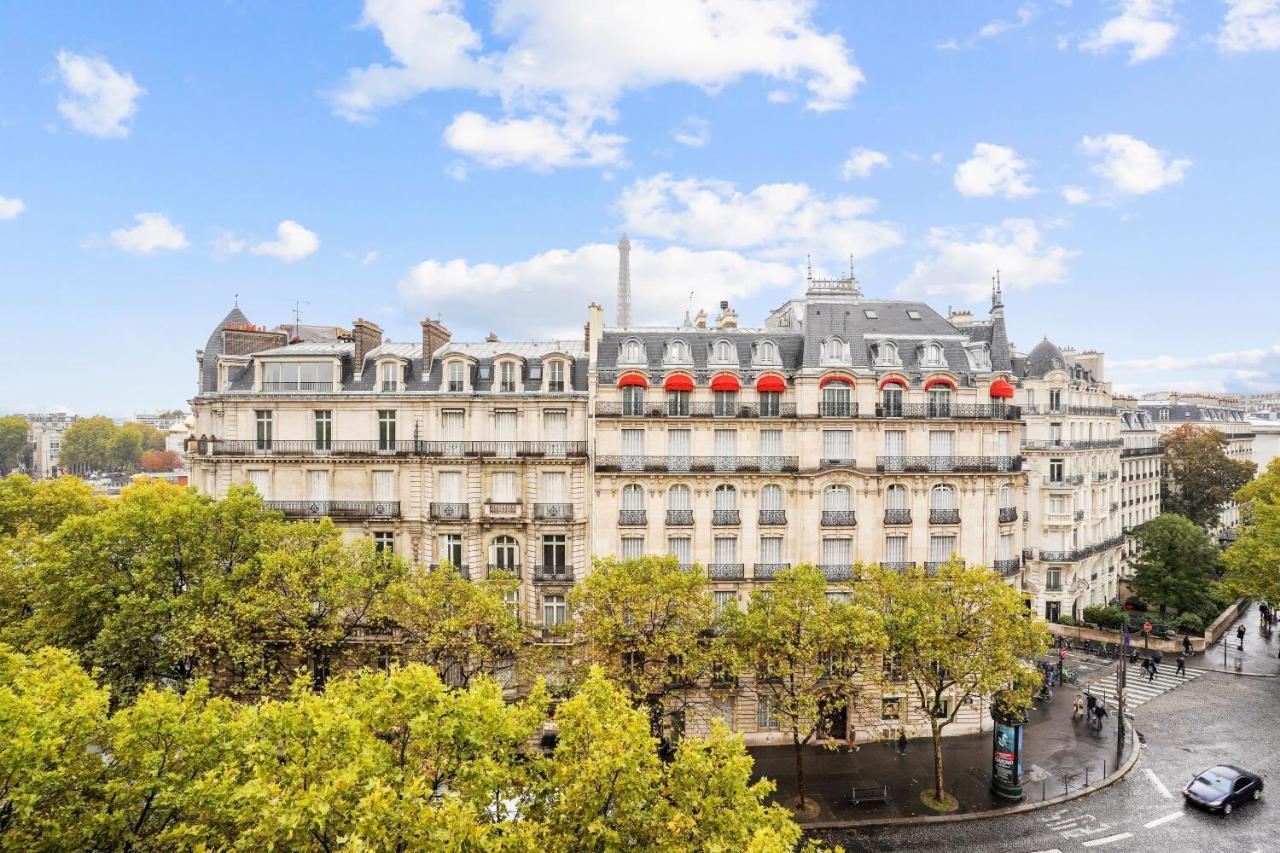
367	336
434	336
491	338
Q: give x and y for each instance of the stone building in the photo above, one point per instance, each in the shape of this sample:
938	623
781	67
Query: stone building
1141	459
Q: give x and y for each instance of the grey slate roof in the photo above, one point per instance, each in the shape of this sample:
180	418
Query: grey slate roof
213	349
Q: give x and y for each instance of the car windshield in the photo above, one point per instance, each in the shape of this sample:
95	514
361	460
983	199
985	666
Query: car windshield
1214	781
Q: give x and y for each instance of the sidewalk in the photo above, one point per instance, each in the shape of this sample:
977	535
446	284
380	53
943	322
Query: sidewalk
1261	649
1057	755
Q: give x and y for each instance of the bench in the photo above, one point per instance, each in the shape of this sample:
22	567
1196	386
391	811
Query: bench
873	794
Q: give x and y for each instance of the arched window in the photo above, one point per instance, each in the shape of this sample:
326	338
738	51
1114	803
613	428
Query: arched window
891	396
940	401
722	352
895	497
633	497
455	371
771	497
767	352
835	499
933	354
632	401
504	554
632	353
678	351
887	354
679	498
1006	497
837	399
942	497
726	497
835	349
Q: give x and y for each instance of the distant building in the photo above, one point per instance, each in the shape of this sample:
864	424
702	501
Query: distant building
160	420
1141	463
46	439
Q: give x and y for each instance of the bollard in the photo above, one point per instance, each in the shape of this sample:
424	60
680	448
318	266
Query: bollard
1086	775
1043	783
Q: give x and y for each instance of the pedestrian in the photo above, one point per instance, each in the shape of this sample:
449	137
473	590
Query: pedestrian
1078	711
1182	666
902	741
1240	632
1150	667
1186	645
1133	655
1156	660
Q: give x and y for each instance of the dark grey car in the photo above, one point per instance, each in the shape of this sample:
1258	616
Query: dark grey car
1222	788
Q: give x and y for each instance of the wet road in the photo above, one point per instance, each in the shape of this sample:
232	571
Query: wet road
1216	719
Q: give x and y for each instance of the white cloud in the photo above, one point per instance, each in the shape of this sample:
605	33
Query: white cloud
1132	166
963	263
1147	27
566	65
1076	195
153	232
369	258
537	142
694	131
1233	359
1250	25
1026	13
772	220
227	243
547	294
292	243
99	100
861	161
11	207
1235	371
993	170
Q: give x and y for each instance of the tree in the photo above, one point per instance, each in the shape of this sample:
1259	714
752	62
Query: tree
149	438
954	636
86	444
1200	476
160	460
1175	562
806	650
43	505
648	625
1253	560
460	628
13	442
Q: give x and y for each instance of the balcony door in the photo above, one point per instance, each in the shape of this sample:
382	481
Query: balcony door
555	431
633	450
453	425
770	450
726	446
504	432
726	550
678	450
504	555
384	486
941	449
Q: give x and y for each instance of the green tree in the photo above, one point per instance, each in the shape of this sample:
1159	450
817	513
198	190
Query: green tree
42	506
1253	560
956	635
460	628
1174	564
1200	477
86	444
648	625
806	650
13	442
124	450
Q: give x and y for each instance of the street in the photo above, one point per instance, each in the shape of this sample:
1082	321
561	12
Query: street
1215	719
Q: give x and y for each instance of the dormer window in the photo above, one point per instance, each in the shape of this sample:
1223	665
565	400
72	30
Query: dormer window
887	355
455	372
979	356
555	376
389	376
767	352
507	377
678	351
835	350
632	352
722	352
932	355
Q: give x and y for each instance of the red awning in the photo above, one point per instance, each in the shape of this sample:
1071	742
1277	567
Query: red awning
678	382
633	379
941	380
725	382
827	380
769	382
892	380
1000	388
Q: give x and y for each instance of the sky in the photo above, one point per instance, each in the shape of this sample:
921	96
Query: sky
477	162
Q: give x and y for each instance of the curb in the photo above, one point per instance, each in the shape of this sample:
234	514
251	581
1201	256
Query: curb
1022	808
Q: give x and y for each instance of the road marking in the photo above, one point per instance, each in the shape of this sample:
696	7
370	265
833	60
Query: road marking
1154	823
1109	839
1155	780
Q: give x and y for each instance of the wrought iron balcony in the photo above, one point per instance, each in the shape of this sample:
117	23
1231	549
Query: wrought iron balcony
838	462
679	518
838	518
553	512
441	511
337	509
830	409
1073	444
1007	567
954	411
725	517
463	572
837	571
896	566
683	409
769	571
772	517
553	574
725	571
380	448
1065	481
319	387
495	568
897	516
697	464
931	568
948	464
1141	451
944	516
632	518
1008	514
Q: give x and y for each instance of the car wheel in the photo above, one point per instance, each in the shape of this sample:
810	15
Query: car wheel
1257	793
1226	810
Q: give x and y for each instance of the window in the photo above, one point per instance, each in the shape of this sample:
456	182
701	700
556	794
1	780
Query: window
891	401
297	376
552	489
633	401
887	354
941	548
836	446
261	482
555	429
895	550
511	598
836	350
725	551
726	404
632	352
835	598
681	547
767	352
895	497
632	547
677	404
1052	611
384	485
771	497
837	399
554	554
835	499
939	402
555	376
941	445
913	314
504	487
1057	505
870	314
262	419
726	449
632	497
1005	551
449	487
678	351
770	404
554	611
771	550
933	355
632	449
504	555
504	431
837	552
386	429
384	540
679	499
1053	579
507	377
389	374
765	716
724	599
943	498
1057	470
1055	400
324	429
726	497
318	486
451	550
455	371
723	352
1006	497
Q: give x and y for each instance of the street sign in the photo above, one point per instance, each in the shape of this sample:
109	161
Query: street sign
1146	626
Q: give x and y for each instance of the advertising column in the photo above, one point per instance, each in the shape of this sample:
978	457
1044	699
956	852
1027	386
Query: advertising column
1006	757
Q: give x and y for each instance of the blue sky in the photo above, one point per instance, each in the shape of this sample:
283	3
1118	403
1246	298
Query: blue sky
1116	160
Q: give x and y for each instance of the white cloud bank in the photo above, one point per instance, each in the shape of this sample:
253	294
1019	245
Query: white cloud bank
1233	371
99	100
11	207
293	243
1131	166
963	261
153	233
862	161
1146	27
1250	25
993	170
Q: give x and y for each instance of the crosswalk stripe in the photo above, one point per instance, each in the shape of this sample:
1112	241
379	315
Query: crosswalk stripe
1139	689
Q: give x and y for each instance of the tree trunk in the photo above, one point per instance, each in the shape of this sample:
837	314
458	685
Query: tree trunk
795	740
938	793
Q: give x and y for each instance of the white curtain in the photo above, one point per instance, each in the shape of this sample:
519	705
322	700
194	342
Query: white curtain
941	442
835	444
318	485
837	552
504	487
726	550
895	549
504	430
771	549
678	498
771	497
553	487
895	497
895	442
261	481
681	548
940	548
726	497
555	429
632	547
632	497
449	487
944	497
835	498
454	427
384	485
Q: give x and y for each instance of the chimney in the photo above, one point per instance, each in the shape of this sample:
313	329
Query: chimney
368	337
434	336
491	338
728	318
960	318
595	329
700	321
246	339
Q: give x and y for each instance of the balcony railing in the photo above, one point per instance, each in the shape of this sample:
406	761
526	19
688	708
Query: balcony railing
1090	411
944	516
1079	515
553	512
837	571
632	518
1008	514
463	572
441	511
772	517
673	409
829	409
513	570
1007	567
697	464
931	567
1142	451
838	518
1073	444
679	517
725	517
897	516
553	574
1065	481
838	462
948	464
337	509
502	509
954	411
379	448
725	571
895	565
769	571
1077	554
322	387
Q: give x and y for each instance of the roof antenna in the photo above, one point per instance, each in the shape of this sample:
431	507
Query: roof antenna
237	300
851	276
808	259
